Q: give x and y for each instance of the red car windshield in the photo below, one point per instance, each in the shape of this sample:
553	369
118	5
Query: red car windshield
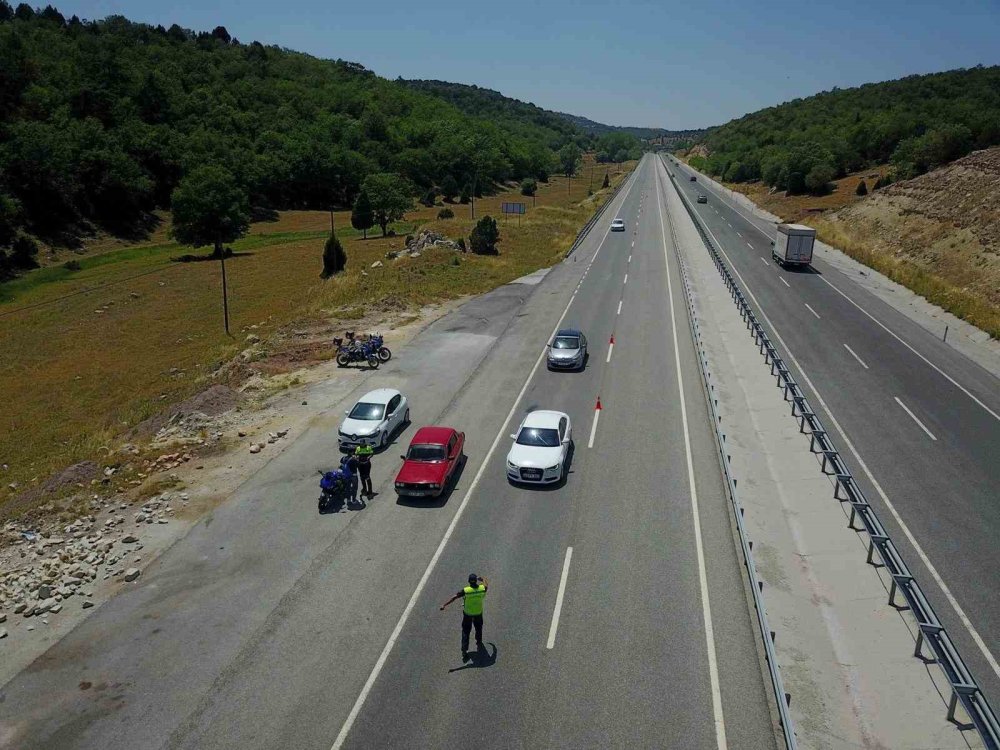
426	453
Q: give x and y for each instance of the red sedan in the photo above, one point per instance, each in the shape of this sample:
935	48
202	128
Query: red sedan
430	463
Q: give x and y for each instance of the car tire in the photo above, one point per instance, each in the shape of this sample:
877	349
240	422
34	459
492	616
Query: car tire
406	418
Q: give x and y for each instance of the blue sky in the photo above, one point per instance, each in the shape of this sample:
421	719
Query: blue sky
667	64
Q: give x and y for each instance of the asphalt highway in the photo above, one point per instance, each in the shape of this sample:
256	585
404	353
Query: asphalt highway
917	421
269	626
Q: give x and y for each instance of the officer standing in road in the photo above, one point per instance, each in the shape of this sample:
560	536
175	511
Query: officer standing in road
364	455
472	610
350	464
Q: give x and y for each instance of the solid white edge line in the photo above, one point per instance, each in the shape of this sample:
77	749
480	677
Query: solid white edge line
937	369
611	348
913	416
875	320
811	310
784	282
383	657
855	355
559	600
970	628
713	667
593	428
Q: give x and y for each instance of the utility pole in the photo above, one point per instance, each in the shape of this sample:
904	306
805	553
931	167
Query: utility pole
225	293
474	176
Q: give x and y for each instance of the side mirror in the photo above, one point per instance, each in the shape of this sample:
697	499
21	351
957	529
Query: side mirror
772	243
513	436
346	412
403	457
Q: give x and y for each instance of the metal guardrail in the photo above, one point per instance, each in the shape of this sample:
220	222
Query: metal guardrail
781	698
597	215
964	688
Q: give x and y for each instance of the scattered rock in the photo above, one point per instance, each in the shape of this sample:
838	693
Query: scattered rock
3	634
377	264
130	539
256	447
87	604
131	574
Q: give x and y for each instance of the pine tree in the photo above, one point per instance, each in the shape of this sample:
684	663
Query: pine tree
334	257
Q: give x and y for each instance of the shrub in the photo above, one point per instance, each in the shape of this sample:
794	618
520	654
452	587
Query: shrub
455	261
23	251
461	244
449	189
429	197
818	179
528	187
607	181
446	213
334	257
485	236
466	195
72	265
862	189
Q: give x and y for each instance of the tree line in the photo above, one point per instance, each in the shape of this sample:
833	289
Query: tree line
915	123
101	122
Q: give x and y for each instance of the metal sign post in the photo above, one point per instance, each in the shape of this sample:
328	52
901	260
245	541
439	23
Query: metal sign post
513	208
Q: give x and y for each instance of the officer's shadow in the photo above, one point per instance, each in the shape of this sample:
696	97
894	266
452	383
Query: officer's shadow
480	659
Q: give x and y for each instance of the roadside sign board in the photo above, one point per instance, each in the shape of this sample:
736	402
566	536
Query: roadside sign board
512	208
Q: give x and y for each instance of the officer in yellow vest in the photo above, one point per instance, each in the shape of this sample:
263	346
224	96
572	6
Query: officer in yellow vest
472	610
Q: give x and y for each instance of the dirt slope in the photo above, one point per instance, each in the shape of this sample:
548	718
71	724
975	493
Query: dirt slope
939	234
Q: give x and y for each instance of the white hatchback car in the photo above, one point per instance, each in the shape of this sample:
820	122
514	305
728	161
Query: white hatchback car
373	421
541	448
618	225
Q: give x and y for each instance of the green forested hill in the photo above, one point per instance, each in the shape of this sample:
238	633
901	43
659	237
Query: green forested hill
100	120
916	123
612	143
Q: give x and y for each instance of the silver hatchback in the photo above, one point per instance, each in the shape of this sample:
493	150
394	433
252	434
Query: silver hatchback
568	350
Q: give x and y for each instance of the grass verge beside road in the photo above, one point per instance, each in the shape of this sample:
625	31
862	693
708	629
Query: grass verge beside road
89	354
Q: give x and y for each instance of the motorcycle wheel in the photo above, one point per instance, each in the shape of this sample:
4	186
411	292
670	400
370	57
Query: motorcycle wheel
343	359
373	361
384	354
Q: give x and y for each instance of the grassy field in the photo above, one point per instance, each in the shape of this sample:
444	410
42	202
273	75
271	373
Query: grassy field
89	353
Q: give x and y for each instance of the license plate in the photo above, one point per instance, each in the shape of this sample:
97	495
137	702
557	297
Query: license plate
531	474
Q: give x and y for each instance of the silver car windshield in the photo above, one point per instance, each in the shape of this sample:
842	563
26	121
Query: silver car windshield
566	342
544	438
362	410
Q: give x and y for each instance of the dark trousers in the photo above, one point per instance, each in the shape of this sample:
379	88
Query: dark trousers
366	480
352	487
467	622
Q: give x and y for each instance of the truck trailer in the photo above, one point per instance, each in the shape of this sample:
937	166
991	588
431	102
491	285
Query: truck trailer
793	245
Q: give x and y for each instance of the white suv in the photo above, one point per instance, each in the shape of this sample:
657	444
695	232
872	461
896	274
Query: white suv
618	225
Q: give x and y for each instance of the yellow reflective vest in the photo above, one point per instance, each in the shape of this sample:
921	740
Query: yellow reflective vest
472	601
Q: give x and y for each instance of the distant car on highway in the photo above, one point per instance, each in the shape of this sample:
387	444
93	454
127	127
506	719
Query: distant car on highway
618	225
374	419
693	178
541	448
567	350
703	199
429	466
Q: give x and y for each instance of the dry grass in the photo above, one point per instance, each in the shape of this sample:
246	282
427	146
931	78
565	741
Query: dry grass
951	285
88	354
795	208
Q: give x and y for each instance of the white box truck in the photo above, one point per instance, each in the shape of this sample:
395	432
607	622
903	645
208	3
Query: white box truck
794	245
